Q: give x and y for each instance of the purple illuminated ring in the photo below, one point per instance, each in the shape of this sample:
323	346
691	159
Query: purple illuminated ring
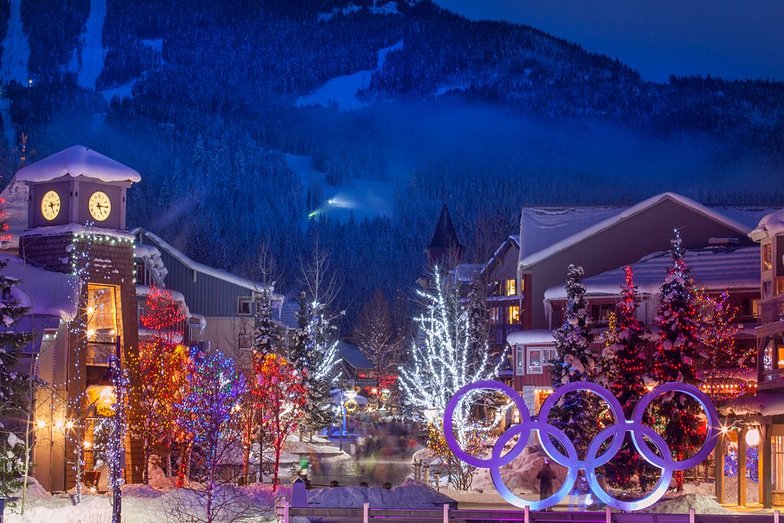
525	429
617	431
449	414
577	386
547	433
711	414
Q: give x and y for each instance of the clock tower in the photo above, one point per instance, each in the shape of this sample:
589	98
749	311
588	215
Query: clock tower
76	218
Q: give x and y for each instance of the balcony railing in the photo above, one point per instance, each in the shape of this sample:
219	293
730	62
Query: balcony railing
771	310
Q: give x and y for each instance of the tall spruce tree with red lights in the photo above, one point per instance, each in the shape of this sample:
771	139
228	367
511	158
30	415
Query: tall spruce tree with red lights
677	350
625	369
577	414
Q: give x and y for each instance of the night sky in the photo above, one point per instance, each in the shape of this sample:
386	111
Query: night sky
727	38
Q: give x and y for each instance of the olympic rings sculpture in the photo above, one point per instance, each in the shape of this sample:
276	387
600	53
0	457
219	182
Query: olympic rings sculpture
593	459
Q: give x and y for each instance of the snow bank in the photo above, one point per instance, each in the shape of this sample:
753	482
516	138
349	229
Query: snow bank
409	495
34	490
680	505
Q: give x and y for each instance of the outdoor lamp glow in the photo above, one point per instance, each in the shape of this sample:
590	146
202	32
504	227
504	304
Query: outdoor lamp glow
753	437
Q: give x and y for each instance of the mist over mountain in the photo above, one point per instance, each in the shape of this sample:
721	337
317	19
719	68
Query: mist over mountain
226	110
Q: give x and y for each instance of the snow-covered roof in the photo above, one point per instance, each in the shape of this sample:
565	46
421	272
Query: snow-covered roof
151	257
512	239
761	404
200	267
74	161
467	272
713	269
605	219
45	292
770	225
529	337
77	228
144	290
541	227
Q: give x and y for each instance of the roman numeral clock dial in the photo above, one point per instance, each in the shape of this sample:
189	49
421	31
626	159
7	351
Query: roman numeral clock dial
50	205
99	206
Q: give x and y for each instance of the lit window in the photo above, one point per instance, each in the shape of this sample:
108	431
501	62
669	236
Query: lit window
102	313
539	358
767	256
780	286
511	287
243	305
513	314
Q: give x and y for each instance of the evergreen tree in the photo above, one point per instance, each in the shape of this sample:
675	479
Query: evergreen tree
314	352
677	351
577	414
13	388
266	336
625	367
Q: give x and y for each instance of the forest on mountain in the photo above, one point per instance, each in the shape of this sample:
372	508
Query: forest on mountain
485	116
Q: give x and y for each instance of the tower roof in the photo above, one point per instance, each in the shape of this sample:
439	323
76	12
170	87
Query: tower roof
74	161
444	236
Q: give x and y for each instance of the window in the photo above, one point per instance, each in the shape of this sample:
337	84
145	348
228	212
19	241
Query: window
243	305
777	463
243	341
780	286
601	313
767	286
539	358
513	315
767	256
519	361
495	316
511	287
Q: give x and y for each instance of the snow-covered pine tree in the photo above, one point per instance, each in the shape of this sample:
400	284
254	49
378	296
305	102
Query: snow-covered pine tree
477	325
13	388
314	351
677	350
266	336
446	358
625	366
577	414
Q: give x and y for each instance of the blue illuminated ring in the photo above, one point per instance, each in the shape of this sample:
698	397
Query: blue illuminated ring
546	433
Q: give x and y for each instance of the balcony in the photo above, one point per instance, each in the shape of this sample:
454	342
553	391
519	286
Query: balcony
771	310
99	353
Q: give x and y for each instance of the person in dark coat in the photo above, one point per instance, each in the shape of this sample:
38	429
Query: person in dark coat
545	477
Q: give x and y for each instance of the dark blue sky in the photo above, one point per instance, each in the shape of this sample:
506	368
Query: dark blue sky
727	38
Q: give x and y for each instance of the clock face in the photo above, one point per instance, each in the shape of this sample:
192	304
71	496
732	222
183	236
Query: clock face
50	205
99	205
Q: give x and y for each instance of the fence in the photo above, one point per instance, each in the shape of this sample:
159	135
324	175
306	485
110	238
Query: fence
448	515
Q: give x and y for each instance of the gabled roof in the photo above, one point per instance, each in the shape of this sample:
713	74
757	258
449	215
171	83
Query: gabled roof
530	258
74	161
712	270
513	240
196	266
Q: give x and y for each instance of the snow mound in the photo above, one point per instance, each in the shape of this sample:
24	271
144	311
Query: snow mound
409	495
520	475
34	490
680	505
138	490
